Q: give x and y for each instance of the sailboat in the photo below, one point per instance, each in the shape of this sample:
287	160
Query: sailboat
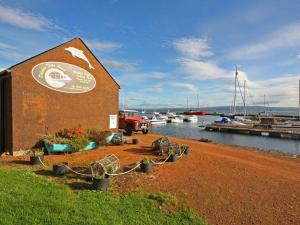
231	118
193	112
232	112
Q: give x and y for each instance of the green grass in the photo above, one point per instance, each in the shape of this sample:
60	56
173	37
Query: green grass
26	198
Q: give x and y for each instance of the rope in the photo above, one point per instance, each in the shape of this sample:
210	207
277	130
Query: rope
181	155
82	174
117	174
41	161
92	171
160	163
114	174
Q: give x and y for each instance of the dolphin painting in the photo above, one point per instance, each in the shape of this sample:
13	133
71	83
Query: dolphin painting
77	53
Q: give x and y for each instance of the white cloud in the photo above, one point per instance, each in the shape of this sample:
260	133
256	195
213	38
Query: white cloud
139	78
200	70
119	65
206	70
155	75
19	18
184	86
102	46
285	37
5	46
192	47
161	87
279	91
156	88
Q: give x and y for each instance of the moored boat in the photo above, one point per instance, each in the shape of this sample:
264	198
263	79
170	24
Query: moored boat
190	118
155	121
197	113
176	119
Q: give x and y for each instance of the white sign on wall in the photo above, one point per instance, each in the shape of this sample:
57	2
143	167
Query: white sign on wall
112	121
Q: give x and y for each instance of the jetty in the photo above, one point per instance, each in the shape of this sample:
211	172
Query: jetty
258	131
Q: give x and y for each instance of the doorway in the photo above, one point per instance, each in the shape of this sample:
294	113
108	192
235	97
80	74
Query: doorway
2	131
5	114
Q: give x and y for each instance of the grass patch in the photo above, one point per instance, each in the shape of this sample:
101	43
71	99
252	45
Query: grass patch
26	198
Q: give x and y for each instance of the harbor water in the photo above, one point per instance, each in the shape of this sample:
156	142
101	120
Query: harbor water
193	131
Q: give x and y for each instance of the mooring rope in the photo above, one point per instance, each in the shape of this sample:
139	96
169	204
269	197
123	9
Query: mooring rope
117	174
41	162
160	163
181	154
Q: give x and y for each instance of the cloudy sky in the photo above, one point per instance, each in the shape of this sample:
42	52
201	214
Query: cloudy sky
163	52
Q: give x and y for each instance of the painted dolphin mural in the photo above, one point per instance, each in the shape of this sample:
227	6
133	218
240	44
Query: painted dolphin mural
77	53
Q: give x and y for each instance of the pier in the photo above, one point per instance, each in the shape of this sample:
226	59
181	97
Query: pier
250	130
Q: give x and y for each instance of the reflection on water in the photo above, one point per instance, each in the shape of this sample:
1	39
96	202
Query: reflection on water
192	130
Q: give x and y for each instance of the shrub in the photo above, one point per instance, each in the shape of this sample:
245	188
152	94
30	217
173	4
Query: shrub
36	152
77	143
97	135
74	132
146	161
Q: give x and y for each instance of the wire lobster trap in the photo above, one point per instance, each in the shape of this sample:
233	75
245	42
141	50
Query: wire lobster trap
109	164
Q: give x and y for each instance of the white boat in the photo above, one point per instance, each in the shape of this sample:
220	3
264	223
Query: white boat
144	117
191	118
154	121
170	115
177	119
162	117
228	121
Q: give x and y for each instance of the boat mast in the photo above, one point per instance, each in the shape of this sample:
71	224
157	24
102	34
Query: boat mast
198	100
299	102
234	100
187	102
245	110
265	105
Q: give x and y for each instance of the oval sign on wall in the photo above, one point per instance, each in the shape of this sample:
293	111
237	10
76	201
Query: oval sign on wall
63	77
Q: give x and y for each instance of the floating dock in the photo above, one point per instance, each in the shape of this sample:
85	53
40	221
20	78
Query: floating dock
249	130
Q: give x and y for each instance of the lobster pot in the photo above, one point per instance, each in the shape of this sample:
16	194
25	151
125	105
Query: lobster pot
109	164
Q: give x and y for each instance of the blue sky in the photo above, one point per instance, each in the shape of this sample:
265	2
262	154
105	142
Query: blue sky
163	52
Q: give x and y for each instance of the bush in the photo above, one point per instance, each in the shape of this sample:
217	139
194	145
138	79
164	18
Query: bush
74	132
36	152
146	161
77	143
97	135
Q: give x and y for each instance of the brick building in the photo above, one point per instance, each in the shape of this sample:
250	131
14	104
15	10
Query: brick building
59	88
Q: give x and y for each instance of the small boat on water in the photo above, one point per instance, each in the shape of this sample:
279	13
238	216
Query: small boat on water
155	121
228	121
176	119
170	115
162	117
190	118
145	117
197	113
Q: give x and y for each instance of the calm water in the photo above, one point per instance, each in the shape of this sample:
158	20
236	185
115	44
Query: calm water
192	130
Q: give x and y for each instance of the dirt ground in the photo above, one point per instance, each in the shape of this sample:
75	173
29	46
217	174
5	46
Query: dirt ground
224	184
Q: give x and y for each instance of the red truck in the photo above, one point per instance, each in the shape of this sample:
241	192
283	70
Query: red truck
131	121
